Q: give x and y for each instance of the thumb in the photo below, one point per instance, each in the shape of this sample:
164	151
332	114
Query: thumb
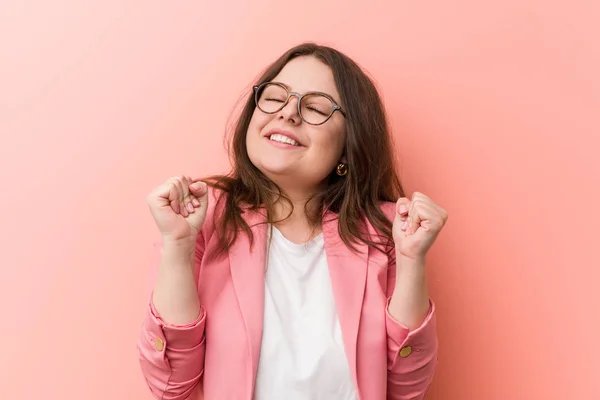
198	188
402	206
401	215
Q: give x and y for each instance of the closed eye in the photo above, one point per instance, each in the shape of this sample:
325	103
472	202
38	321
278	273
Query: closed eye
311	108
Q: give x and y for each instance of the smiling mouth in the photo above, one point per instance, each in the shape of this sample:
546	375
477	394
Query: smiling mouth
279	138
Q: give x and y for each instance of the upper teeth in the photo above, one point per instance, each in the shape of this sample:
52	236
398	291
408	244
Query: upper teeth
283	139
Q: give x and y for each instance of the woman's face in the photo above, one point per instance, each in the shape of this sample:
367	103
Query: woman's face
316	149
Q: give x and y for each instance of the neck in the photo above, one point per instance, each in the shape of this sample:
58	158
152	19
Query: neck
298	209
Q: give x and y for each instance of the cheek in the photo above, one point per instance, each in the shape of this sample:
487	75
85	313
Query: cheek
330	143
254	128
257	123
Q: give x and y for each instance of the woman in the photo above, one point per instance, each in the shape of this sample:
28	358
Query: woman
301	275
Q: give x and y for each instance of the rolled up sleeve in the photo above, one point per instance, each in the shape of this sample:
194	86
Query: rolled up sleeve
412	356
171	356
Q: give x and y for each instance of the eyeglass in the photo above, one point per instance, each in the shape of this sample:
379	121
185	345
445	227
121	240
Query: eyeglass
315	108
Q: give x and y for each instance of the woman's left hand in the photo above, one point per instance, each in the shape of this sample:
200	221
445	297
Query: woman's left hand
416	226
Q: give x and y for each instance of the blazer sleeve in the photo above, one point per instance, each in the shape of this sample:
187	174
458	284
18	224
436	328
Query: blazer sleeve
172	356
412	355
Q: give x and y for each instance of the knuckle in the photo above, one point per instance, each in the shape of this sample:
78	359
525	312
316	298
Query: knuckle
439	223
175	180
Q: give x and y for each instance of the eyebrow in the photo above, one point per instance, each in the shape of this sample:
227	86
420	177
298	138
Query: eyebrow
284	84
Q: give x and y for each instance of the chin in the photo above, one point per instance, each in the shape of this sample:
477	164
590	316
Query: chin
271	170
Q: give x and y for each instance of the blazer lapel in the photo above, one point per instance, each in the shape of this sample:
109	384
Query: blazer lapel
247	273
348	272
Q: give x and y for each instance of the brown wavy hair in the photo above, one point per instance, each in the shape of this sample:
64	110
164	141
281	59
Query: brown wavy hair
357	196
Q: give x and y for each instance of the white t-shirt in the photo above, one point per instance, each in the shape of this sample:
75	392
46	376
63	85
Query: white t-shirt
302	353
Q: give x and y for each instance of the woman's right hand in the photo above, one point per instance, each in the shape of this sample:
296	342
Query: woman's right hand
179	208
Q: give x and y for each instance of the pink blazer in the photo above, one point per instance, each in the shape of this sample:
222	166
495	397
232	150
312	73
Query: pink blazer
216	356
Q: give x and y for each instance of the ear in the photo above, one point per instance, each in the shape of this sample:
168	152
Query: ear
344	159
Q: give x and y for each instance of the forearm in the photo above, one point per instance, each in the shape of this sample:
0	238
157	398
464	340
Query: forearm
175	295
409	304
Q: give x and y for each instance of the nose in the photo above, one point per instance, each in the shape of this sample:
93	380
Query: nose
289	112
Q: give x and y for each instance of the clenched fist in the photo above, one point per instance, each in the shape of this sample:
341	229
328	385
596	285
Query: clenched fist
417	224
179	208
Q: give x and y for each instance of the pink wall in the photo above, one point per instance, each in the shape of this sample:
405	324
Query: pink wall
495	108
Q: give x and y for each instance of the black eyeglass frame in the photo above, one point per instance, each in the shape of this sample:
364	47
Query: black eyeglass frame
336	107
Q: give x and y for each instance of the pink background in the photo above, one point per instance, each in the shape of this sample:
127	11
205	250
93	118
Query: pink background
495	108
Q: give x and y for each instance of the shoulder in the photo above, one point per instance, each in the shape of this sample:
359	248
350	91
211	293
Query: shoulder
389	211
216	203
214	194
374	227
388	208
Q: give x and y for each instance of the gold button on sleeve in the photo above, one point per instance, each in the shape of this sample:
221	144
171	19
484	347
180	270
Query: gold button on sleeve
405	352
159	344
